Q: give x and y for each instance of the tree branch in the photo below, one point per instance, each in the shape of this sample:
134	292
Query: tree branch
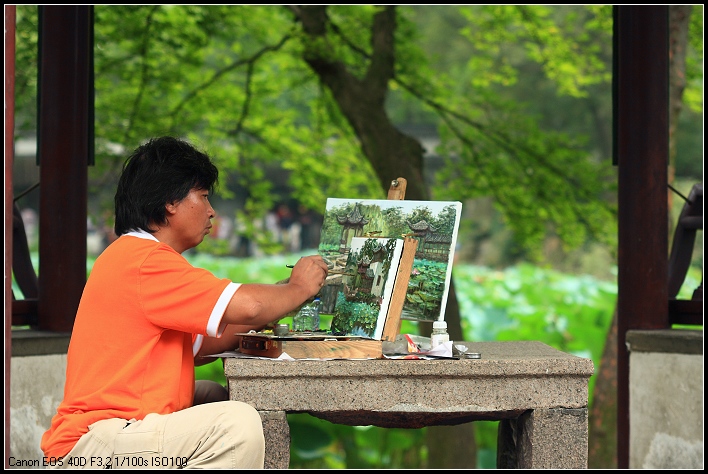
249	62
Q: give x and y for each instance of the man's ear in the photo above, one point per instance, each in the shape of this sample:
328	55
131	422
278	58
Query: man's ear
170	208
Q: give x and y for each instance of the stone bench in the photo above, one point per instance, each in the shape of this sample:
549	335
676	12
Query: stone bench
539	394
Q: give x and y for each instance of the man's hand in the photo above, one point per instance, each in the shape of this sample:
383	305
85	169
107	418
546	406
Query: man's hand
309	273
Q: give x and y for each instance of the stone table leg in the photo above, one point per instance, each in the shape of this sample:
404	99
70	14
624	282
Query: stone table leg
277	439
554	438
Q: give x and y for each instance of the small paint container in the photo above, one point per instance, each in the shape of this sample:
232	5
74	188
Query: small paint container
281	329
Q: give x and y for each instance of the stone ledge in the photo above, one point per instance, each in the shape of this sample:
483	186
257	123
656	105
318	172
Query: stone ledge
29	342
672	341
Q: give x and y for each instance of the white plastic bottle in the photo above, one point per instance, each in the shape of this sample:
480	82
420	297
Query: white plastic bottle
439	334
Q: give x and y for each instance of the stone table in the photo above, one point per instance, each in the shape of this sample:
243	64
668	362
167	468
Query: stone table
539	395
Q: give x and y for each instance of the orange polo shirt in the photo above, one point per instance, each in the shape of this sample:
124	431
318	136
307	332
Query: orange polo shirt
142	317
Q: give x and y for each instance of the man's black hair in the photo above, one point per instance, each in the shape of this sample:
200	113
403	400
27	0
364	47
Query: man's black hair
163	170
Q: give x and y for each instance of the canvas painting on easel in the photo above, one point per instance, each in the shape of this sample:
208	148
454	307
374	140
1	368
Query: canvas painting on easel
434	224
366	286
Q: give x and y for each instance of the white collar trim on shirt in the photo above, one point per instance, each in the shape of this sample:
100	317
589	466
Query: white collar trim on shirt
141	234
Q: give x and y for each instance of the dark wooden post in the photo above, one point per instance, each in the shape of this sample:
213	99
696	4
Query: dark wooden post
65	116
641	102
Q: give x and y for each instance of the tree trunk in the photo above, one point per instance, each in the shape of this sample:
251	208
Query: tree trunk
602	435
391	153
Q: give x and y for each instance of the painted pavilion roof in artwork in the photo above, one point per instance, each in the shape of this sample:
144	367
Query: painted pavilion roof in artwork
355	218
421	226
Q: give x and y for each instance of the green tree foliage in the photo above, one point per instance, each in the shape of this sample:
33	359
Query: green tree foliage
500	145
693	94
250	84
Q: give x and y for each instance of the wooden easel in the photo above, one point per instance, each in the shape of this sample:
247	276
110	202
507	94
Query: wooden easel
392	326
342	347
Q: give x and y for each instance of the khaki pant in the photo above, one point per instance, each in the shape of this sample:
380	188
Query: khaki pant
226	434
